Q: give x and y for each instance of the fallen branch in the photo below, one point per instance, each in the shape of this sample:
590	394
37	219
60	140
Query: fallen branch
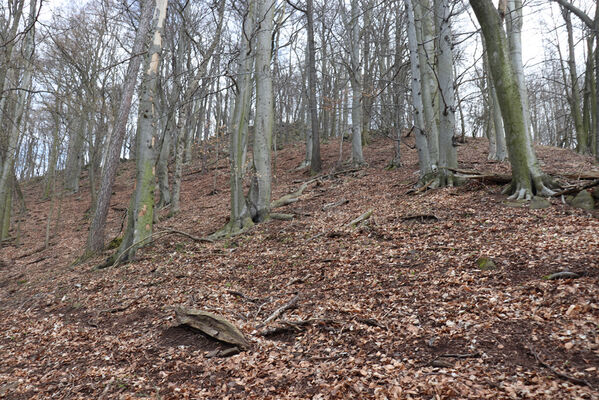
586	175
289	198
290	304
243	296
360	219
467	355
336	204
482	176
152	237
577	189
559	374
281	217
562	275
293	326
420	217
330	175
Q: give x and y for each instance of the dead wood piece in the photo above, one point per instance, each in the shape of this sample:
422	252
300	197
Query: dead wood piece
299	280
557	373
578	188
281	217
585	175
243	296
420	217
36	260
30	253
482	176
290	304
154	235
231	351
123	307
360	219
212	325
441	364
293	326
192	237
422	188
371	322
289	198
335	204
466	355
563	275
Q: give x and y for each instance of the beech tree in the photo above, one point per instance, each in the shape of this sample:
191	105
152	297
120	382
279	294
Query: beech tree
140	216
593	25
527	178
95	241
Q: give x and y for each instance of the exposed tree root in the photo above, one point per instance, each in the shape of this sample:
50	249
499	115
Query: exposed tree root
231	229
289	198
119	257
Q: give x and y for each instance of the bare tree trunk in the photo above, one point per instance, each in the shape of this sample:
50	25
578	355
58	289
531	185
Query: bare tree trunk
261	185
448	158
527	178
141	208
582	137
315	162
425	36
356	83
95	241
421	139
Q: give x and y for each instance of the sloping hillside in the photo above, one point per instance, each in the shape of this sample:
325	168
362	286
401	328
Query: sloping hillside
395	308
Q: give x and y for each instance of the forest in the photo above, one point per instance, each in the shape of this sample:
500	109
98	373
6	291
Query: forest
299	199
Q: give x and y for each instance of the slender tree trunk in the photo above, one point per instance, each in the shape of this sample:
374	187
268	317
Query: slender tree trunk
356	83
141	208
22	99
425	36
264	119
447	151
315	162
95	241
574	98
421	139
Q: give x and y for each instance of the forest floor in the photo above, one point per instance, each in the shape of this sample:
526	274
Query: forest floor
395	309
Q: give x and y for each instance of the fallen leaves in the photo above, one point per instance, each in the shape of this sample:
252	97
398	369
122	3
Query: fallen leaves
379	304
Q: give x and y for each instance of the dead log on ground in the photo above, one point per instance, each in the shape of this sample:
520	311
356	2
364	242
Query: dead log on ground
212	325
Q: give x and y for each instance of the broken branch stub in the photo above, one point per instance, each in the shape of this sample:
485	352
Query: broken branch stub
212	325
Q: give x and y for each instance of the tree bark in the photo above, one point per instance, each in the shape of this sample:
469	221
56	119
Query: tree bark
95	241
447	151
264	119
527	179
356	83
419	132
141	206
315	162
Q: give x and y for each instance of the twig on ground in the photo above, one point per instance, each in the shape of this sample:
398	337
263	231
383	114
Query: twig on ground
354	223
557	373
335	204
290	304
243	296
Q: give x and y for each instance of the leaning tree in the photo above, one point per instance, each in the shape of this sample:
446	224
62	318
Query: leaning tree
527	178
